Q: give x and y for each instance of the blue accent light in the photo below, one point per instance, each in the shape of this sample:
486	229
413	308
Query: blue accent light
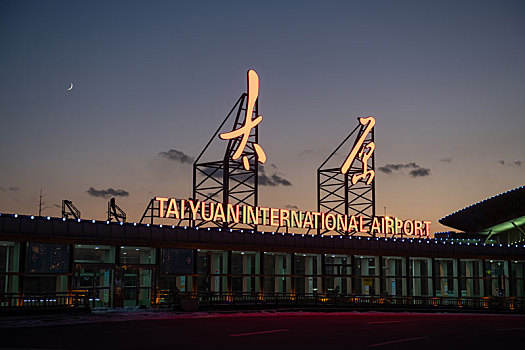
78	220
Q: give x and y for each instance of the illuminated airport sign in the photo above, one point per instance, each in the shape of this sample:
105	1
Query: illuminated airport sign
249	124
187	209
363	152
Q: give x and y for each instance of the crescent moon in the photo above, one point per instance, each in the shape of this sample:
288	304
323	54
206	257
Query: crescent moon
70	88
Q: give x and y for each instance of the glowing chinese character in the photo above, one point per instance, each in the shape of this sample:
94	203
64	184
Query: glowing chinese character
249	123
360	151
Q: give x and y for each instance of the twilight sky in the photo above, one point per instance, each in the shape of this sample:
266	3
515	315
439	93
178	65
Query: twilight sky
444	79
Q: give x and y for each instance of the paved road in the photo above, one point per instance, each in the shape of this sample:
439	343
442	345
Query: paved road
274	331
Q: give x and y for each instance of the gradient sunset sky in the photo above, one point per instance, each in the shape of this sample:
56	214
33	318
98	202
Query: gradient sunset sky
444	79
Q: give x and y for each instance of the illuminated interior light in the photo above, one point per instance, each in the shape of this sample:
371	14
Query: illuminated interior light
16	215
32	217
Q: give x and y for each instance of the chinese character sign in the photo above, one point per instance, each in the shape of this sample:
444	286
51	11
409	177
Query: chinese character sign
249	124
363	152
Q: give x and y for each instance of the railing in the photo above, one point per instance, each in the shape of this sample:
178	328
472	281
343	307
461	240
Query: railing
167	298
77	299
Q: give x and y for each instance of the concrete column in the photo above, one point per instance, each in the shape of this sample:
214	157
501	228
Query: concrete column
443	282
469	282
416	270
319	262
432	274
348	271
378	271
308	270
245	270
278	271
506	277
258	271
405	266
455	271
215	262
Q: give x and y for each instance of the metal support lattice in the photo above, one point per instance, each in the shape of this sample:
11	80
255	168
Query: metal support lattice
335	192
68	209
114	211
226	181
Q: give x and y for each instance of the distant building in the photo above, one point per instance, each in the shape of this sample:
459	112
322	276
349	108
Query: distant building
498	219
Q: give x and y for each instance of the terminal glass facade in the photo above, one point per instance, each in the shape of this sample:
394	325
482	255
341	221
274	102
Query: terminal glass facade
133	276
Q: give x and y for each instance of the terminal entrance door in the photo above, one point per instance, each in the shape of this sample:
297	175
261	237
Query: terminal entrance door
98	281
133	286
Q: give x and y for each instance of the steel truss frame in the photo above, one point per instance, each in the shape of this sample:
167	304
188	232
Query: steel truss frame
226	181
337	195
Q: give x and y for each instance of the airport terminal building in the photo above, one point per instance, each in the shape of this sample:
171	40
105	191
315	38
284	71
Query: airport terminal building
219	248
117	264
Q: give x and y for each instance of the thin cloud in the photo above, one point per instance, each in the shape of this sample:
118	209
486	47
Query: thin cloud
110	192
177	156
446	160
421	172
416	170
9	189
272	180
514	163
307	152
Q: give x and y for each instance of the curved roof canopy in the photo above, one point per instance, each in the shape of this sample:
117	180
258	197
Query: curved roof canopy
502	212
